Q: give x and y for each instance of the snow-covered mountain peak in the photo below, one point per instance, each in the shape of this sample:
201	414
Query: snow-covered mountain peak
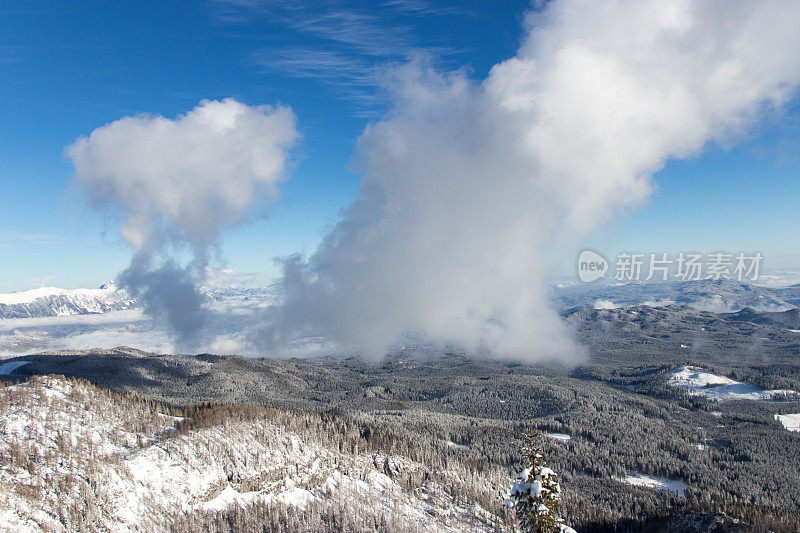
31	295
54	301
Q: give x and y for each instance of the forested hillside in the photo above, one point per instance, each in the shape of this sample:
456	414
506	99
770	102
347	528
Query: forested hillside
630	446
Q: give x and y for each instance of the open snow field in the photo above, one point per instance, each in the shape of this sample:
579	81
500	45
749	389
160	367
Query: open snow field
670	485
790	422
701	382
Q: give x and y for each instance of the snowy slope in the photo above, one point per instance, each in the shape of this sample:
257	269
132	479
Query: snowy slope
790	421
703	383
9	367
52	301
82	458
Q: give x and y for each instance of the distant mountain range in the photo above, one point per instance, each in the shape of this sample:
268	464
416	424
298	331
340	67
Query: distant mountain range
52	301
718	296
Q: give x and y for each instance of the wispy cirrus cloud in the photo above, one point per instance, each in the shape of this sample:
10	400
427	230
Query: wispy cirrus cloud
352	77
342	44
13	239
13	54
363	33
422	7
341	23
333	67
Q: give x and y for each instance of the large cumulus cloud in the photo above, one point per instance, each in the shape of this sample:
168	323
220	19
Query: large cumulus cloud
468	186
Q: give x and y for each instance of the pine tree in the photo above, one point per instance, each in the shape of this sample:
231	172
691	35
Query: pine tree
536	496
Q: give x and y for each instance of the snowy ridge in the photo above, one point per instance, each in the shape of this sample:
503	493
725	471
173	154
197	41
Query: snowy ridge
61	433
52	301
30	296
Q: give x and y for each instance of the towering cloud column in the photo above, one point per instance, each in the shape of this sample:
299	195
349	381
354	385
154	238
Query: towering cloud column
468	187
176	184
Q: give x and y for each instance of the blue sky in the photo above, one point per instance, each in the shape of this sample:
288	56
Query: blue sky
67	68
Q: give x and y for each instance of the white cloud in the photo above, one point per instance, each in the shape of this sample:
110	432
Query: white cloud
344	44
469	189
177	184
113	317
185	179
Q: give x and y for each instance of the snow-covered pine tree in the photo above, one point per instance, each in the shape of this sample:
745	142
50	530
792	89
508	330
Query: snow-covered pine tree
536	496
